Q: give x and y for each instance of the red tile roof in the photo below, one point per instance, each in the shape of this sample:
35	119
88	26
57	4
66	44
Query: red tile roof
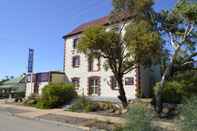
101	21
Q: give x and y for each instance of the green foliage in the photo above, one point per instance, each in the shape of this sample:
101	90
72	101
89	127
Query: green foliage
137	7
180	25
139	119
96	41
45	104
82	104
56	95
143	42
187	9
172	92
188	121
19	96
32	100
188	79
182	84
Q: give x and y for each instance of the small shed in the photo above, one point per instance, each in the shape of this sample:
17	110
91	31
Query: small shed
40	80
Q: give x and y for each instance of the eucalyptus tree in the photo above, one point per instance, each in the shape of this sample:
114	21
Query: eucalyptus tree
179	26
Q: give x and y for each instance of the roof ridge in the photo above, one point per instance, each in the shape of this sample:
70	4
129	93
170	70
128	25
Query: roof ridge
104	20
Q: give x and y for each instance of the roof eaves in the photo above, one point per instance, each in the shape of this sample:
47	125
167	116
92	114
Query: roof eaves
101	21
72	34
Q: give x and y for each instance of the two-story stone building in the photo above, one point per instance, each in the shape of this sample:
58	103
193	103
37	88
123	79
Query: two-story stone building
91	78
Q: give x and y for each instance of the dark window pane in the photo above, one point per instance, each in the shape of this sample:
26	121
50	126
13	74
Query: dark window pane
129	81
76	82
113	82
90	64
76	61
75	42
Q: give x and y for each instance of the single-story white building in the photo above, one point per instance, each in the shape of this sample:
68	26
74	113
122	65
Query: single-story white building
40	80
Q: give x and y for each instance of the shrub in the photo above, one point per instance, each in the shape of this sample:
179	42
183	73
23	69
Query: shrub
82	104
138	119
188	81
189	113
19	95
104	105
172	92
32	100
44	104
56	95
183	84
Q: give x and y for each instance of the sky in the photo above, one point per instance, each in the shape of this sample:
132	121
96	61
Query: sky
40	24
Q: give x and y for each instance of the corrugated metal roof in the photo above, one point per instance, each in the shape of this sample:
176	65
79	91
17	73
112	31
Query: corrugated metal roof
14	81
18	84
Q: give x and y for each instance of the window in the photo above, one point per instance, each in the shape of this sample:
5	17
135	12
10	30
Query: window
93	64
76	82
113	83
75	42
94	86
28	78
76	61
129	81
42	77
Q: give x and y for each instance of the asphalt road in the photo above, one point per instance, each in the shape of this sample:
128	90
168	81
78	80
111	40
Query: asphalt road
12	123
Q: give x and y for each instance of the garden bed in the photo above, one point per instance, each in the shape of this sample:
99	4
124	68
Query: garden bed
105	113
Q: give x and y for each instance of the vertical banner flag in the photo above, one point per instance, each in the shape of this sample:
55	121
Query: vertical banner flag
30	60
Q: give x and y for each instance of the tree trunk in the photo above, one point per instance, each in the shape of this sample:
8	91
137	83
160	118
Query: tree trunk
122	95
158	97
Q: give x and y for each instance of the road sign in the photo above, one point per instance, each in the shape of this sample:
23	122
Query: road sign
30	60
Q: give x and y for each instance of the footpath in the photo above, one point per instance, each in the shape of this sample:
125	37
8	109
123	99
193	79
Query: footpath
55	115
70	119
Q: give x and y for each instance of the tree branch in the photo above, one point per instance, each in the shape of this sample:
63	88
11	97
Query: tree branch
188	62
190	57
129	69
172	41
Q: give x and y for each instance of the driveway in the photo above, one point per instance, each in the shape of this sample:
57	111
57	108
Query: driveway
12	123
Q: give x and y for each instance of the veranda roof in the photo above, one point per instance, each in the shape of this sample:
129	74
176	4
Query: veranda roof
17	84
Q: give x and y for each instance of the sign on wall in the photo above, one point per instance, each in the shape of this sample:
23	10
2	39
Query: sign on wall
30	60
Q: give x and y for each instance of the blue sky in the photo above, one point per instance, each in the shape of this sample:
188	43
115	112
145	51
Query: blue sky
40	24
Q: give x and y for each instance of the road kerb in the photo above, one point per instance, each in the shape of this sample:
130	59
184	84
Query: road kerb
52	122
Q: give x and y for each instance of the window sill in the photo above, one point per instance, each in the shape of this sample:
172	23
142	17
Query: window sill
94	71
75	66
